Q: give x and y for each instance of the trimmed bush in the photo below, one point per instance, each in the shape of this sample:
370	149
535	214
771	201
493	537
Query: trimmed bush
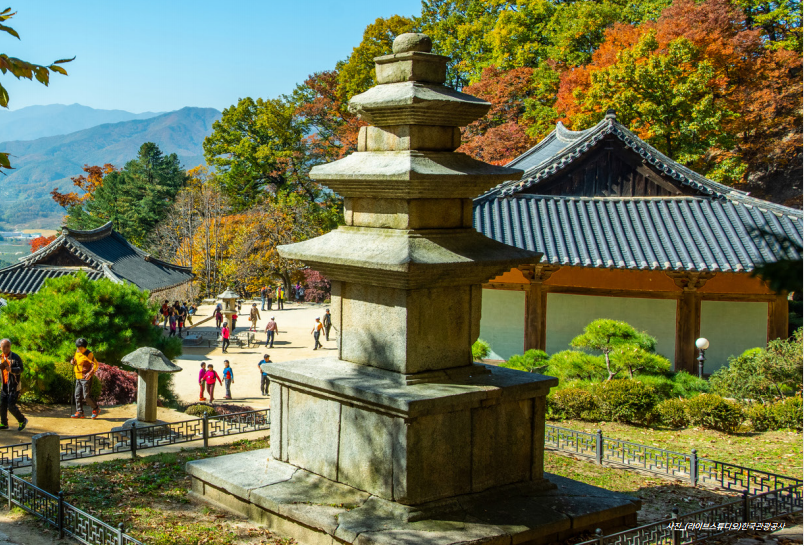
672	413
198	410
480	349
627	401
117	386
787	413
761	417
572	403
713	412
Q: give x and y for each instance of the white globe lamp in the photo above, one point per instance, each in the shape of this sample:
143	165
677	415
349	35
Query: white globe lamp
703	344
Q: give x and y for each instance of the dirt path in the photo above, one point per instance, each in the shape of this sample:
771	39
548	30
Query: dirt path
17	528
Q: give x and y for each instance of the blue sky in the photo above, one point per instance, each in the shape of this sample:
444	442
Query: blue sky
160	56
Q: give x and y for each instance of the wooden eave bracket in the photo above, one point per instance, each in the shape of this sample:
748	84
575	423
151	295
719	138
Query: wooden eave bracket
689	281
539	272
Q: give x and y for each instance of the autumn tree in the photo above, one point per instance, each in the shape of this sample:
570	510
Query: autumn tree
22	69
87	184
40	242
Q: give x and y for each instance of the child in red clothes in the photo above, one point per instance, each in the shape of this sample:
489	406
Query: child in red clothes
201	377
210	379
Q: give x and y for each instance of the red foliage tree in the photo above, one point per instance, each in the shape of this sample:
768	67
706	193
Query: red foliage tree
40	242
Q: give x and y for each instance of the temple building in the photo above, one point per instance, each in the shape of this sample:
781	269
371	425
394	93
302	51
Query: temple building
629	234
101	253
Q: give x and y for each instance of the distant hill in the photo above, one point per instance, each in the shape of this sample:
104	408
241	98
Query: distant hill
34	122
46	163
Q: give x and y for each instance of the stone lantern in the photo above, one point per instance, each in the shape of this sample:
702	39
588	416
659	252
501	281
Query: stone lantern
229	299
149	363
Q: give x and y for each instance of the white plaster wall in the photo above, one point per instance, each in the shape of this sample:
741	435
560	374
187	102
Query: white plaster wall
502	322
732	327
568	314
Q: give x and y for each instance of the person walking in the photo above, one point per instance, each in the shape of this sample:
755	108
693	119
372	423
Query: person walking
234	321
327	322
317	333
11	367
84	367
270	296
182	317
165	313
254	316
296	290
191	310
228	379
280	297
225	335
270	331
173	319
264	381
201	376
301	294
218	318
210	378
263	295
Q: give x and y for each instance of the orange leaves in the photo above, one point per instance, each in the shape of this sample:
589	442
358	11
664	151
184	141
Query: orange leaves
88	184
41	242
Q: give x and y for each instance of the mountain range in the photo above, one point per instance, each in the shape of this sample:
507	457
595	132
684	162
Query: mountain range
34	122
46	163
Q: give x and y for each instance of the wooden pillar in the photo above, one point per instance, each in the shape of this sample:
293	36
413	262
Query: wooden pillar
536	305
778	316
688	318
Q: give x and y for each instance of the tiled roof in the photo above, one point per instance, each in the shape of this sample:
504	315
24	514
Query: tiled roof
666	233
104	253
562	147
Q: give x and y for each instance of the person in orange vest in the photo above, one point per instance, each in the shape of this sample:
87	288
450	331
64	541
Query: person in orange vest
84	366
11	367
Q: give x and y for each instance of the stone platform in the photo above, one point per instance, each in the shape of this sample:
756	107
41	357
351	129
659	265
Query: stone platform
315	510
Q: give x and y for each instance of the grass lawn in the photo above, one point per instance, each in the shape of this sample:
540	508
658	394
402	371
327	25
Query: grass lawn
149	496
778	452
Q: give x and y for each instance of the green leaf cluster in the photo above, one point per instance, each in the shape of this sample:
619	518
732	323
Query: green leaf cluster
622	346
115	319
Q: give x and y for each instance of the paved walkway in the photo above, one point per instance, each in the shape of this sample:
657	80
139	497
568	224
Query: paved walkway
293	342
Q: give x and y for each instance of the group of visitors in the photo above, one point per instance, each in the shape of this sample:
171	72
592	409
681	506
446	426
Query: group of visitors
177	315
268	295
208	376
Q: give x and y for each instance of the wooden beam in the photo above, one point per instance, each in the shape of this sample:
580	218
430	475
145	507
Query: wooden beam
614	293
506	286
725	296
778	316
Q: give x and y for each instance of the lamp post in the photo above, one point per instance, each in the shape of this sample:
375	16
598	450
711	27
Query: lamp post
702	344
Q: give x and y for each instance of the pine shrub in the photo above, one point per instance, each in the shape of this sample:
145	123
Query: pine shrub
687	385
480	349
761	417
713	412
787	413
533	361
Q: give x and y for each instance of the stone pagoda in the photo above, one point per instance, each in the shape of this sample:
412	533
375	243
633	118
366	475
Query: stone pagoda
403	438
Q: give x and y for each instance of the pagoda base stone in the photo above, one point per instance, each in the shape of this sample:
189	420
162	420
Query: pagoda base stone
315	510
408	441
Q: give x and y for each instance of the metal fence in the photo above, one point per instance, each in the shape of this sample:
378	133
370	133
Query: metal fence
751	512
63	516
137	438
685	466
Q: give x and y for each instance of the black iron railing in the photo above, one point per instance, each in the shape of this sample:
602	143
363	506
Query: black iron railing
686	466
750	513
137	438
63	516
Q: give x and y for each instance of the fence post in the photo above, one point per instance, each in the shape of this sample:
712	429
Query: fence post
10	487
120	533
60	520
746	507
599	447
133	430
598	535
676	539
205	428
694	467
